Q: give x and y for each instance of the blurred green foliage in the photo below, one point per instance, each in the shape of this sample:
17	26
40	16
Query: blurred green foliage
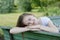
46	6
6	6
24	5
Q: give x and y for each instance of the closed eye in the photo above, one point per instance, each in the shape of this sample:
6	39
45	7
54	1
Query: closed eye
29	19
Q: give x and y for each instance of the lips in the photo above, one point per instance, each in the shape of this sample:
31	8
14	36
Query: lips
31	23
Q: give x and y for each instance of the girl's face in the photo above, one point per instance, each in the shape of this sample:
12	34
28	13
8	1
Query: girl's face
30	20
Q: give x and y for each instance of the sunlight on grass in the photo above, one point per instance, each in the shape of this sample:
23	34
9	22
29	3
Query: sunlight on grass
8	19
11	19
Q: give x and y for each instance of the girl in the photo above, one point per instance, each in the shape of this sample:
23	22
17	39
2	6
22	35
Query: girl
28	22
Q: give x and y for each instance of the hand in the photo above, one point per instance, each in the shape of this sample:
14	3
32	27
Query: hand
33	27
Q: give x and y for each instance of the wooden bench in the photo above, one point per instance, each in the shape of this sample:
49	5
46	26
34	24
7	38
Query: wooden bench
33	35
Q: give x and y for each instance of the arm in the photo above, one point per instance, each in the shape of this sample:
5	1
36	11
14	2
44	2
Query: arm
49	29
52	26
18	30
45	28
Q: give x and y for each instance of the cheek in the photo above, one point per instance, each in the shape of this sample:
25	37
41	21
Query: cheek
25	22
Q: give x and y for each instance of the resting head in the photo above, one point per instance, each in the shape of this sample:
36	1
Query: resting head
26	19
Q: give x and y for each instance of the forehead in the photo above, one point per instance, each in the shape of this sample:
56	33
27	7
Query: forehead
29	16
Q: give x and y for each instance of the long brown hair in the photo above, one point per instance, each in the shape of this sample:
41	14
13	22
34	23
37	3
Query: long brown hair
20	20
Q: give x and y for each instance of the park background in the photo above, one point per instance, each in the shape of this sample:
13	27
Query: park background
11	9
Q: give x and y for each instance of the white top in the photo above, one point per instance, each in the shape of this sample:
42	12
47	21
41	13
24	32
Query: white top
44	20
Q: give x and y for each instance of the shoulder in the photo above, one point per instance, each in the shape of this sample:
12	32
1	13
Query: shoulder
43	18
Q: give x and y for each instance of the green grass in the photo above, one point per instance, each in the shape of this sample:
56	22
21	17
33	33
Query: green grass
8	19
11	18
